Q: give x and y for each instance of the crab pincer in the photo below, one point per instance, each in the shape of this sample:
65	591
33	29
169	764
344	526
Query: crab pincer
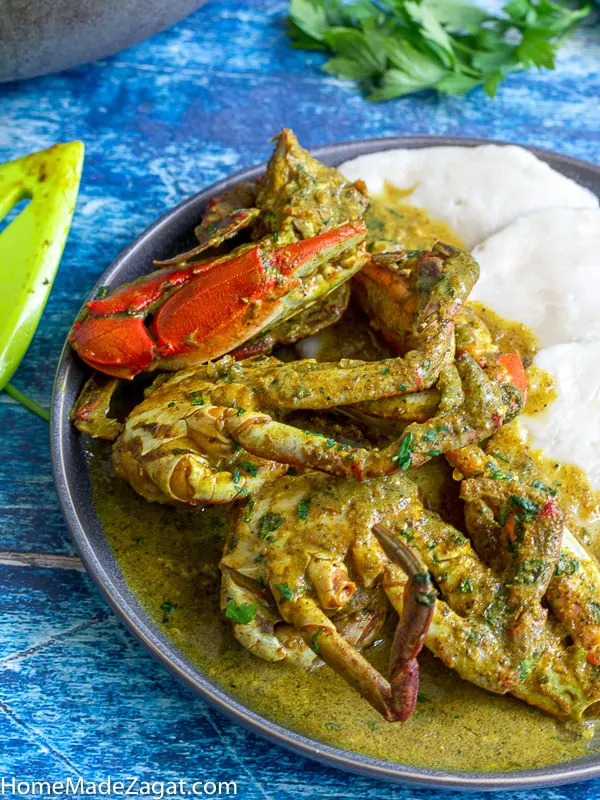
417	613
175	318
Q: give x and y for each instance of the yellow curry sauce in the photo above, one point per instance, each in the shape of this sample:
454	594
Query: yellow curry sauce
169	558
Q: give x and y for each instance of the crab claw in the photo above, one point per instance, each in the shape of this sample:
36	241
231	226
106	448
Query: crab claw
208	308
417	613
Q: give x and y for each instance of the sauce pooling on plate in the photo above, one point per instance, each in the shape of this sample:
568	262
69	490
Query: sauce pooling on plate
169	558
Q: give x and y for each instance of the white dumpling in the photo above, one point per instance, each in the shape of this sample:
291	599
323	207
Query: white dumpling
544	270
569	429
475	190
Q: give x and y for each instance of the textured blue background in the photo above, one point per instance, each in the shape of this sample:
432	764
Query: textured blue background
77	695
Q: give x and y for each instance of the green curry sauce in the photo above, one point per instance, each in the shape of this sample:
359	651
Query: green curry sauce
169	559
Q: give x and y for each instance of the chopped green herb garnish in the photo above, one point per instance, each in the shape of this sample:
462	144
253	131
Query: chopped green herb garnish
250	468
530	572
465	586
403	458
385	371
529	508
304	508
249	509
421	698
268	523
313	639
285	593
498	475
543	488
429	436
566	565
403	387
241	614
102	292
330	442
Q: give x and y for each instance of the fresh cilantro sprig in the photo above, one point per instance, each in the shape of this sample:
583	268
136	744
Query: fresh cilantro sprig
396	47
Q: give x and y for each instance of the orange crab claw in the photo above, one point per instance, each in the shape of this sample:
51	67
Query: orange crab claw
222	308
118	346
139	295
214	300
209	307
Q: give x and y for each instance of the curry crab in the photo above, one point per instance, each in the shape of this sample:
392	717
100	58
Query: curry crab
304	545
214	433
309	240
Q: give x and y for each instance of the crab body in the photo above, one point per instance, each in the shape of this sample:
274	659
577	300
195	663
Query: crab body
303	546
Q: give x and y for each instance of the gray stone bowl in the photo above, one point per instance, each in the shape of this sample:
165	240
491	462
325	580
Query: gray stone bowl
42	36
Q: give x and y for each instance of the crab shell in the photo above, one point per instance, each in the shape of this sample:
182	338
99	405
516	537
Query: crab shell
205	309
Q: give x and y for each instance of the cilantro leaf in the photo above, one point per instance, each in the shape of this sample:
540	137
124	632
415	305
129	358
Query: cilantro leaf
403	458
268	523
304	508
396	47
241	614
285	593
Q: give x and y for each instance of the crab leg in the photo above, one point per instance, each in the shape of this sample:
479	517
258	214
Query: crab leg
532	528
486	408
258	634
91	413
320	634
419	600
315	318
467	630
225	217
573	591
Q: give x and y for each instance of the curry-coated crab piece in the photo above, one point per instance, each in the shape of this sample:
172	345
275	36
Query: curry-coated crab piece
225	216
502	485
169	444
303	545
309	239
283	571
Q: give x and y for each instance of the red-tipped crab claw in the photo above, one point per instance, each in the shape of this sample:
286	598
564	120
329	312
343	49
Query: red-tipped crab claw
173	318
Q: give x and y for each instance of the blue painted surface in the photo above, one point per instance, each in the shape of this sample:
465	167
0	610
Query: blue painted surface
77	695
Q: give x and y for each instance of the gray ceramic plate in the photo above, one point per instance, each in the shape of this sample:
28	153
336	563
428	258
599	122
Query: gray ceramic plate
171	234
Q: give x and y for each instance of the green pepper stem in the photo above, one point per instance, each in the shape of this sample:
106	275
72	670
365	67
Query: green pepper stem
29	404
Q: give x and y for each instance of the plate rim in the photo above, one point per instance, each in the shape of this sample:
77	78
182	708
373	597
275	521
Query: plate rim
137	621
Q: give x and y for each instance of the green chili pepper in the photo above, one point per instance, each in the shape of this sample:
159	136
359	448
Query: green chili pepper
31	247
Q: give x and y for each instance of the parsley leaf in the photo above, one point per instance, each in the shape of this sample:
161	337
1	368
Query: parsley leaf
403	458
250	468
285	593
396	47
242	614
268	523
304	508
